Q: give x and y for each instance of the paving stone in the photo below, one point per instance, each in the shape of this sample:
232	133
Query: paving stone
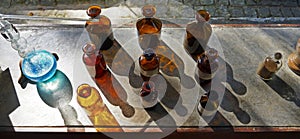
222	2
275	11
251	2
264	2
290	3
48	2
286	12
276	2
236	12
263	12
250	12
222	11
237	2
66	1
206	2
296	11
5	3
210	9
192	2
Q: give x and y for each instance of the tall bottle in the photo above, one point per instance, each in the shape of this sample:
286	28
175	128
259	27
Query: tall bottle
99	28
207	64
198	33
149	94
149	28
294	59
149	64
89	98
269	66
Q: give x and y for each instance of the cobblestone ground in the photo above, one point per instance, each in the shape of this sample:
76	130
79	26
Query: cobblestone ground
267	11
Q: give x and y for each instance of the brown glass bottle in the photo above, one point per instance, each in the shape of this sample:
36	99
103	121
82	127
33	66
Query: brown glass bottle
198	33
99	28
269	66
149	64
149	95
208	64
89	98
208	104
149	28
294	59
89	58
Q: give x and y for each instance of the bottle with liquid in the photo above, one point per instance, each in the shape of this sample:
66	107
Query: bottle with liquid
269	66
208	104
89	58
294	59
89	98
149	28
207	64
198	33
149	64
99	28
149	94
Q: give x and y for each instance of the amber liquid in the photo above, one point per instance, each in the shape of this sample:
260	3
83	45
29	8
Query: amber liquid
148	67
149	32
207	68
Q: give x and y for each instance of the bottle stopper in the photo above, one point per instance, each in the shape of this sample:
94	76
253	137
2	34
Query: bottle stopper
270	64
93	11
149	10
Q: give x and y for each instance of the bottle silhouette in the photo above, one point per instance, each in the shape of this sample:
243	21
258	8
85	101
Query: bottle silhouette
89	98
207	64
149	28
99	28
149	64
294	59
198	33
269	66
149	94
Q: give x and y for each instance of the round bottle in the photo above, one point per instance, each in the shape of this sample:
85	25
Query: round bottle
149	64
294	60
207	64
149	96
269	66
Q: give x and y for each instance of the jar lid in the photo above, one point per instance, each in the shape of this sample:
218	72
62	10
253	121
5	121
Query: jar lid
93	11
149	10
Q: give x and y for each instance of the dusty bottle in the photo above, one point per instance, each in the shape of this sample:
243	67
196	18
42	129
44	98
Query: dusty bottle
294	60
149	64
207	64
99	28
89	58
198	33
208	104
149	28
149	94
89	98
269	66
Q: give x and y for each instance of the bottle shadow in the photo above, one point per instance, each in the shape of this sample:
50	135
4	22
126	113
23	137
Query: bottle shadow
70	117
283	89
220	123
8	100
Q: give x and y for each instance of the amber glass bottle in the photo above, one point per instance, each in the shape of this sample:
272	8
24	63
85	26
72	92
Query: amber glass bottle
149	28
269	66
99	28
89	58
89	98
208	104
149	64
198	33
149	95
294	59
208	64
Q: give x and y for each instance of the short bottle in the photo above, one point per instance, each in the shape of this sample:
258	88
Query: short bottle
149	28
269	66
99	28
149	94
207	64
294	59
89	58
208	104
149	64
198	33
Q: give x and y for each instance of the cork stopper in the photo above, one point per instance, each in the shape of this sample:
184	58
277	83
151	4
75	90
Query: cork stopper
93	11
149	10
205	14
270	64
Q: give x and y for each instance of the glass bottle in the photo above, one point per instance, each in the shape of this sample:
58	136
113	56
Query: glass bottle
89	58
99	28
149	64
89	98
198	33
208	104
294	59
269	66
148	94
207	64
149	28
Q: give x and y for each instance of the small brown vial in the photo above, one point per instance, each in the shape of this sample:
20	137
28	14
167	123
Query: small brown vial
198	33
149	28
208	64
99	28
148	94
269	66
294	59
149	64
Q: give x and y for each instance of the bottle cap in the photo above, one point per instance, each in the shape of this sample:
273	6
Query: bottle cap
93	11
89	48
270	64
205	14
149	54
149	10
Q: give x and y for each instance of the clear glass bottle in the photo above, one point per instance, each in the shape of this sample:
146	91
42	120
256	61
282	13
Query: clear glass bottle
294	59
89	58
269	66
207	64
99	28
89	98
198	33
149	95
149	64
149	28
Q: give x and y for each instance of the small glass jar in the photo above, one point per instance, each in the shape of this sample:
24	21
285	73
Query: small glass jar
149	64
269	66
